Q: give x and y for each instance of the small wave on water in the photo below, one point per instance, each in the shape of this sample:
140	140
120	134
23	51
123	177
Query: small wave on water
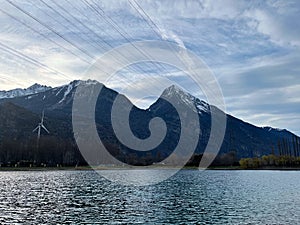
189	197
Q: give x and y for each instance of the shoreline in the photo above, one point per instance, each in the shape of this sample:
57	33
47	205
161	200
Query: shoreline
88	168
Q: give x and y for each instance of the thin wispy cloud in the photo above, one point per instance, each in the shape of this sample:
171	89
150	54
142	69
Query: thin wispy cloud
253	47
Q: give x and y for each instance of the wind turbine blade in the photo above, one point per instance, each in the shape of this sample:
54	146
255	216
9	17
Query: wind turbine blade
35	129
45	129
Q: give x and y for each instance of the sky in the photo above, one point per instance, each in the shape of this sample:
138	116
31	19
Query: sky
252	47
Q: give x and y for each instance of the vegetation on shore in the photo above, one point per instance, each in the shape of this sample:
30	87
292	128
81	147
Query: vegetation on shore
54	155
288	157
270	161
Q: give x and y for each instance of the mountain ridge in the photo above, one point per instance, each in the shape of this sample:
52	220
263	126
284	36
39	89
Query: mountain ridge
39	88
19	92
245	139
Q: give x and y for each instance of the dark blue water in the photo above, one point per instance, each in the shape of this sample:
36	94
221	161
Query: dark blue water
190	197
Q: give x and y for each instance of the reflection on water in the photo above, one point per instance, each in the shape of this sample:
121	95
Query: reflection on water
190	197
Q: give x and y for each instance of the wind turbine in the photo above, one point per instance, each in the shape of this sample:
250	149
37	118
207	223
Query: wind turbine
39	127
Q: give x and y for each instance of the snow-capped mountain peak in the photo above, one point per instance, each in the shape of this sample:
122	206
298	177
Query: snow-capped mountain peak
68	88
186	98
173	89
18	92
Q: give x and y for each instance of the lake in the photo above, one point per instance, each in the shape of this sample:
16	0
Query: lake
189	197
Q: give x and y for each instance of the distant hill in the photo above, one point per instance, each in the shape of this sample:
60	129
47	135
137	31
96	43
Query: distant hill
18	92
20	115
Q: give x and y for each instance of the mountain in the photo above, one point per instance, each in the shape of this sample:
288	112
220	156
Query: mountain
21	114
18	92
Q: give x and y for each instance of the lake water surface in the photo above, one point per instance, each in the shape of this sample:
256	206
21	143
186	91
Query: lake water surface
189	197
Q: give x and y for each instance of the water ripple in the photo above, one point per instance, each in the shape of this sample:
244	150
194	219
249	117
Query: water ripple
190	197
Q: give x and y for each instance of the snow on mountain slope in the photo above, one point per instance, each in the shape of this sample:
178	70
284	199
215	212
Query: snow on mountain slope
18	92
68	88
185	97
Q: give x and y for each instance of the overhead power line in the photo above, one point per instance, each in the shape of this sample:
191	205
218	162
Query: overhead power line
82	37
152	25
44	36
35	62
100	12
77	27
49	28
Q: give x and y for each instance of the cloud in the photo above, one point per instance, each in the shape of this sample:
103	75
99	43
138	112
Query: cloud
280	20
